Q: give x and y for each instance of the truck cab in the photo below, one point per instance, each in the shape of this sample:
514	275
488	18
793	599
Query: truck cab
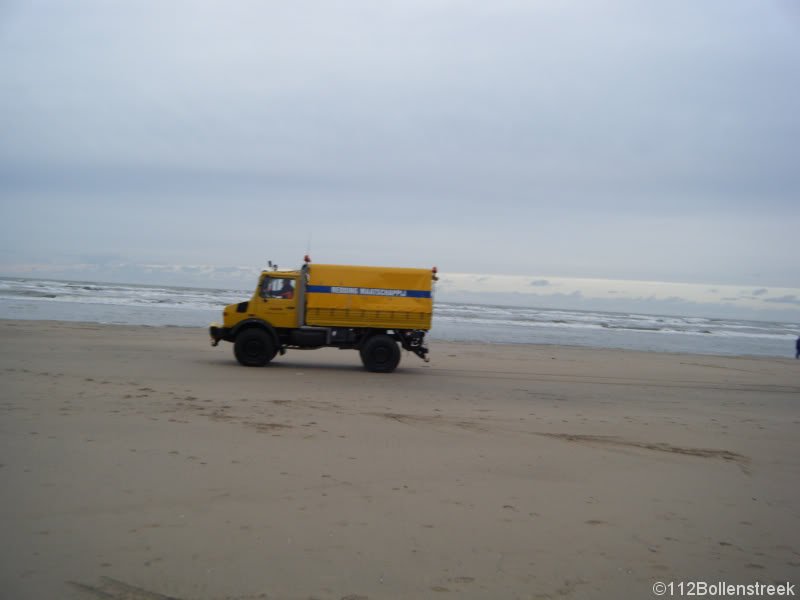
276	299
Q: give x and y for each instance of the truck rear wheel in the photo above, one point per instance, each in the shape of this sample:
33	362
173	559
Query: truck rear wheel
254	348
380	354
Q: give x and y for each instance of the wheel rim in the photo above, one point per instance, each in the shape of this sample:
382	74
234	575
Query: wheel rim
381	355
254	349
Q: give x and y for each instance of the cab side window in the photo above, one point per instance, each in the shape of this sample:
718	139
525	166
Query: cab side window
275	287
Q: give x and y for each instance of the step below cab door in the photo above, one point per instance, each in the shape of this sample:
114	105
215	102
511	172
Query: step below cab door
278	300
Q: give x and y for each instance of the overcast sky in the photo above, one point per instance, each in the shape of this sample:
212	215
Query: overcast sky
649	141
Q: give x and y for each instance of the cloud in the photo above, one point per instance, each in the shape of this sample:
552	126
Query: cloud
760	292
540	283
788	299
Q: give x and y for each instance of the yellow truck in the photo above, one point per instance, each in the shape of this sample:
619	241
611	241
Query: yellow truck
369	309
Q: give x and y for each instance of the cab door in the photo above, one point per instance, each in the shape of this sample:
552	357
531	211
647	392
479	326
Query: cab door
278	299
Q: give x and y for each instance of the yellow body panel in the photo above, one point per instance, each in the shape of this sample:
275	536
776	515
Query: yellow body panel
375	297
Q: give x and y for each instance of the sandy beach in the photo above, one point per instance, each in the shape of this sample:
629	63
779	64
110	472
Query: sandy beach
141	463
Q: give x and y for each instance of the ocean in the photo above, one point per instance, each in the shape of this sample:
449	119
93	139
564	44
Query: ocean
193	307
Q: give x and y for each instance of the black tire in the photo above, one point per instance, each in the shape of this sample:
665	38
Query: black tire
380	354
254	348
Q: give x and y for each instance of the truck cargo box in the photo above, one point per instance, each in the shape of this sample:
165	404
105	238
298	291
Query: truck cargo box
379	297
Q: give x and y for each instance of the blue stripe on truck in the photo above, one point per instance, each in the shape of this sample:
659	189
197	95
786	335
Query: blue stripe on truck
361	291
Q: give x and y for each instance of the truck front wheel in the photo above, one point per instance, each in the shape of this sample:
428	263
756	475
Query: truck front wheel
380	354
254	348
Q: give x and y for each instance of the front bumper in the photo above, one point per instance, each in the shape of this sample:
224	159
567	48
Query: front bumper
217	333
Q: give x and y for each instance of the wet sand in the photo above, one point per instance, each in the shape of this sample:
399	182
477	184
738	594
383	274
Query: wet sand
140	463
